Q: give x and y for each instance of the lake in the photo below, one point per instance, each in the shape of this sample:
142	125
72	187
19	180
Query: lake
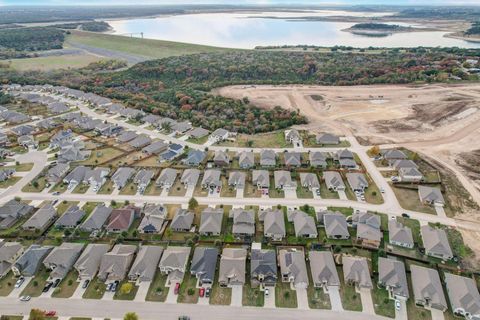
247	30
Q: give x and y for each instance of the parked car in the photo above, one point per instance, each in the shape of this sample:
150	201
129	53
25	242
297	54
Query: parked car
177	288
85	284
50	313
382	190
405	215
267	292
207	292
47	287
109	286
202	292
19	282
55	284
397	305
318	192
56	193
25	298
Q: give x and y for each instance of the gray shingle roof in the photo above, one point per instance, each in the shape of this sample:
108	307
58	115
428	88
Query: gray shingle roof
323	269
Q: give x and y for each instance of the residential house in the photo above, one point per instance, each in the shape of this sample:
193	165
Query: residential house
211	179
156	147
263	268
122	176
435	242
334	181
218	135
11	211
23	130
268	158
392	276
309	180
197	133
182	221
261	179
57	172
97	218
221	158
398	164
71	218
400	235
243	222
293	267
107	129
357	181
116	263
463	295
167	178
323	270
204	263
273	225
195	157
145	265
356	272
5	174
327	138
283	180
120	219
58	107
142	179
427	288
232	267
317	159
76	177
174	263
336	225
246	159
27	141
345	159
140	141
97	177
293	159
61	259
154	218
181	127
237	179
190	178
368	229
393	154
431	196
293	136
126	136
42	219
211	222
30	261
305	226
89	261
9	253
410	175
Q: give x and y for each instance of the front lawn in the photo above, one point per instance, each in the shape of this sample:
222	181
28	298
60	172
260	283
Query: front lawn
158	291
95	290
188	292
67	287
220	295
384	306
285	297
252	296
126	291
350	298
35	287
7	284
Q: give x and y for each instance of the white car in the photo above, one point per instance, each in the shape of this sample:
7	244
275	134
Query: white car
19	282
266	292
25	298
397	305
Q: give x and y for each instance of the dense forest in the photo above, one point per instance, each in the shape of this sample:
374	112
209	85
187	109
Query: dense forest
31	39
93	26
178	87
474	29
377	26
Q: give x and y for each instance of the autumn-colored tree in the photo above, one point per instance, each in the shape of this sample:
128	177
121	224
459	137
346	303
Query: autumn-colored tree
126	288
36	314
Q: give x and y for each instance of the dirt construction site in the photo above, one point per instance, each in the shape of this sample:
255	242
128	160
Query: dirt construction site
439	121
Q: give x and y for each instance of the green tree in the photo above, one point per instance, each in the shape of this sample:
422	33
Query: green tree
36	314
130	316
192	204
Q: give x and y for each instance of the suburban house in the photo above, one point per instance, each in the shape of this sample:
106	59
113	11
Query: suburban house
122	176
142	179
283	180
243	222
246	159
263	267
97	218
57	172
204	263
345	159
293	136
42	219
120	219
126	136
97	177
11	211
268	158
232	267
293	159
197	133
9	253
400	235
309	180
211	179
30	261
327	138
115	264
211	222
293	267
398	164
237	179
368	229
392	276
218	135
410	175
155	147
333	180
61	259
71	218
145	265
393	154
89	261
195	157
154	218
261	179
427	288
317	159
221	158
305	226
336	225
77	176
107	129
140	142
435	242
273	224
357	181
463	295
174	263
324	272
190	178
182	221
356	272
167	178
431	196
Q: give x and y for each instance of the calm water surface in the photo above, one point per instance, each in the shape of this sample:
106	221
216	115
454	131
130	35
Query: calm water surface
247	30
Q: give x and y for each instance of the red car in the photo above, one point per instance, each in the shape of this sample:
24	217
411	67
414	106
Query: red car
177	287
202	292
50	313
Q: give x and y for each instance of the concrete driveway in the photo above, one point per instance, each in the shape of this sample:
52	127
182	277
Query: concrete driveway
437	314
171	296
270	299
367	302
108	295
78	294
342	195
315	195
237	296
142	291
402	313
302	299
189	192
335	299
17	291
440	211
290	194
240	193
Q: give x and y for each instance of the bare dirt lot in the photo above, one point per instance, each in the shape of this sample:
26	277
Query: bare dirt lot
440	121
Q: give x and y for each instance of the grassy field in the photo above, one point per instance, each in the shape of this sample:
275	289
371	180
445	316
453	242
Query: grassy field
53	62
155	49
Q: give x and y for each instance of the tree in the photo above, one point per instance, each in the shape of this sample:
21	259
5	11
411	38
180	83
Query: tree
130	316
36	314
35	184
375	150
192	204
126	288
